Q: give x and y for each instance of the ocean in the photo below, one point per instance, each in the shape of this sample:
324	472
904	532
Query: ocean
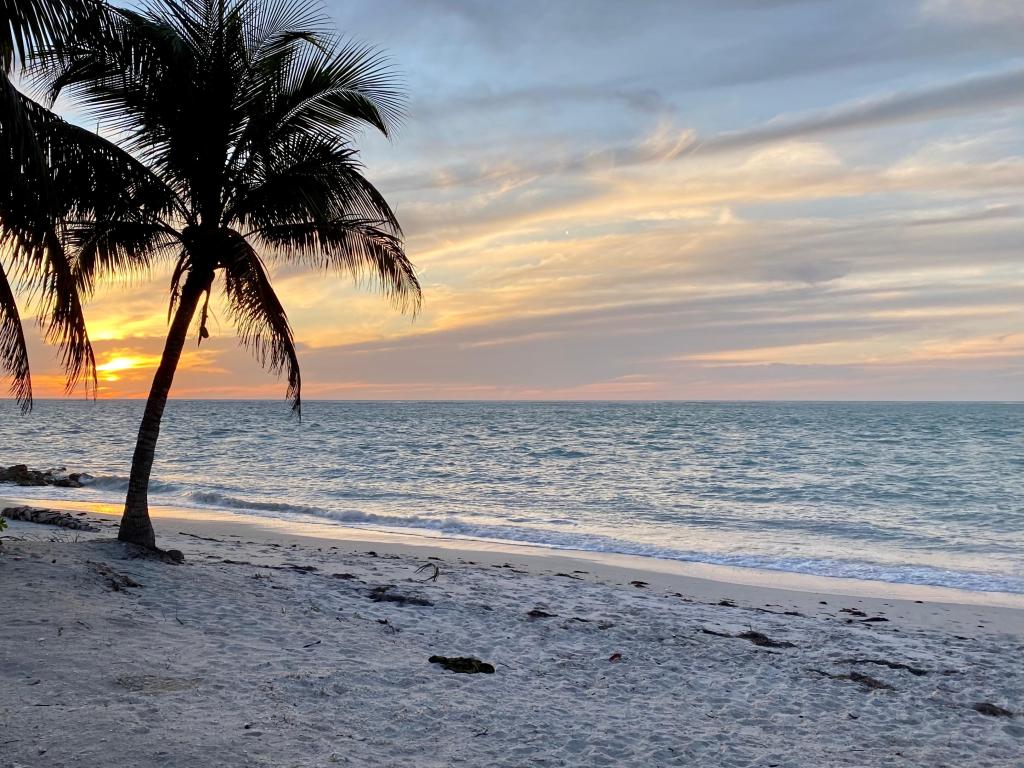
916	493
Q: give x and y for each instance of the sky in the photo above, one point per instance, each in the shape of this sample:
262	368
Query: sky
744	199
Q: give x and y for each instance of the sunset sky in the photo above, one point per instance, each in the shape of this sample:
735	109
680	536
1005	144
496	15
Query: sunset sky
746	199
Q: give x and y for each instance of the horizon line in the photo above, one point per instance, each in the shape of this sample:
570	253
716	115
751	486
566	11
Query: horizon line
90	400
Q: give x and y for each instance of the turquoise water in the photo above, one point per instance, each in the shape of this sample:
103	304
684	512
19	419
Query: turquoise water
914	493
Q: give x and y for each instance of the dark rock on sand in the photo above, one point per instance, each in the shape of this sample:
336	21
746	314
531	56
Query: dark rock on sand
20	474
992	710
537	613
464	664
47	517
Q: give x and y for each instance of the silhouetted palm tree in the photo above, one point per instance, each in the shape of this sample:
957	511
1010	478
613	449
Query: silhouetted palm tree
49	170
245	110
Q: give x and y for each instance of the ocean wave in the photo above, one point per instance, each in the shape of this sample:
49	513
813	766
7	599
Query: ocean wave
553	539
119	484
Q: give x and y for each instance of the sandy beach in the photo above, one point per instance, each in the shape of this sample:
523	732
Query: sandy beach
292	645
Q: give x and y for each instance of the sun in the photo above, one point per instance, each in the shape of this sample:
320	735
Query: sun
109	370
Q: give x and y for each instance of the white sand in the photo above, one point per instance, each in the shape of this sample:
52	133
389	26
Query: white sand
254	663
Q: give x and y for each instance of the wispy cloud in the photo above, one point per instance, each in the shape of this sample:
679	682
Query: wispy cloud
683	199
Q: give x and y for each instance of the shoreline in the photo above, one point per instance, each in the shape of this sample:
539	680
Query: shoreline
175	526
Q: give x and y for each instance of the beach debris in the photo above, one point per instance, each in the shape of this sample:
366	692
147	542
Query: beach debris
207	538
890	664
639	584
992	710
465	664
615	657
115	581
345	576
20	474
174	555
300	568
852	611
426	567
873	619
727	603
383	594
537	613
569	576
757	638
47	517
867	681
388	626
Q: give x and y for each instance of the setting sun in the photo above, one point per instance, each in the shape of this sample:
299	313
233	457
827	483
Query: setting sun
108	371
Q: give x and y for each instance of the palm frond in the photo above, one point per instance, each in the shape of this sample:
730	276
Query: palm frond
360	248
64	318
25	24
13	351
117	247
260	318
309	178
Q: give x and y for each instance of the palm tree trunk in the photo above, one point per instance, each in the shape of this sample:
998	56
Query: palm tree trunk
136	527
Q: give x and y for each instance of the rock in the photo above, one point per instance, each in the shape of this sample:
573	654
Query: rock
992	710
47	517
465	664
175	555
537	613
20	474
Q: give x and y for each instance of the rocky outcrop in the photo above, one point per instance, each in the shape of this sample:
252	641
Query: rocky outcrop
20	474
47	517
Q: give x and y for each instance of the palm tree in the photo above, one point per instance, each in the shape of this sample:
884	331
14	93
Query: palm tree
245	111
49	169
